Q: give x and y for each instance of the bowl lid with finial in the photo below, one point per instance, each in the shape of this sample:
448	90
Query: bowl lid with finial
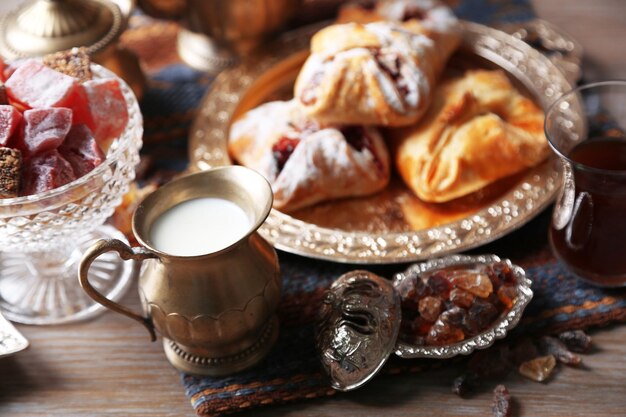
41	27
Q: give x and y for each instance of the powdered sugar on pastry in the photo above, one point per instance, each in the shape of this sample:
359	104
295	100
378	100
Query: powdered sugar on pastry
413	77
325	166
431	18
305	162
432	14
379	73
252	135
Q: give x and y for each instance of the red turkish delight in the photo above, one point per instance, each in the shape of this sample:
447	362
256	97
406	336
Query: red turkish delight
4	99
10	119
44	129
80	108
81	150
57	118
35	85
9	68
45	172
107	108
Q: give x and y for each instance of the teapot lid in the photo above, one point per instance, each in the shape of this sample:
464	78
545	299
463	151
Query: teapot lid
360	321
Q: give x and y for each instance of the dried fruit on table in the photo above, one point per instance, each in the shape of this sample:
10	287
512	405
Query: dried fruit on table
74	62
429	308
10	120
81	150
411	291
438	284
500	273
442	333
501	402
454	316
479	316
465	384
556	348
415	331
538	369
44	129
576	340
10	172
34	85
461	299
507	294
46	171
473	282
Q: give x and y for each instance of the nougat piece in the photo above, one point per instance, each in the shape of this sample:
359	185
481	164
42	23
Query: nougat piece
10	171
74	62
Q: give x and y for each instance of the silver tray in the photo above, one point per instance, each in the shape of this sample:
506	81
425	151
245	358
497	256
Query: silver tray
271	74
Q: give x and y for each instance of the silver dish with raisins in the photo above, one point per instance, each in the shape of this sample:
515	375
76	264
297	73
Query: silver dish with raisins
457	304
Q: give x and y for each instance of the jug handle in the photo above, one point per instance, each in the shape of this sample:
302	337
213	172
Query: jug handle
126	253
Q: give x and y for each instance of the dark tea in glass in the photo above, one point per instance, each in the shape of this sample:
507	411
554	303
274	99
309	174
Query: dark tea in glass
588	229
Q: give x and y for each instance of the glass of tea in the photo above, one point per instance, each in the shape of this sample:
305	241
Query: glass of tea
586	128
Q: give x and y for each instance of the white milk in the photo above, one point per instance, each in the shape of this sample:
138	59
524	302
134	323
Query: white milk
199	226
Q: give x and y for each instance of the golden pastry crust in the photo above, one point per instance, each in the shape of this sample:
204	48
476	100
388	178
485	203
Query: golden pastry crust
374	74
307	162
428	17
431	18
479	129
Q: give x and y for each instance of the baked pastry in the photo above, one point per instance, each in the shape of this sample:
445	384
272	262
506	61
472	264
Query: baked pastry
428	17
374	74
432	16
479	129
305	161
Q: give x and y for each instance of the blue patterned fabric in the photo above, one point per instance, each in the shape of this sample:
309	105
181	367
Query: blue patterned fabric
292	371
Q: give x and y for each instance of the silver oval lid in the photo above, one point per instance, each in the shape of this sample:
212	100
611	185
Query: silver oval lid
358	327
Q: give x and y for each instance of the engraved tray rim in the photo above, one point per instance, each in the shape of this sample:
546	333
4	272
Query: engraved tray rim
534	192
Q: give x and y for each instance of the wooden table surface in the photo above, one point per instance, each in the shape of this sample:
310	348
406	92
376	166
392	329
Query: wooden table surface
107	366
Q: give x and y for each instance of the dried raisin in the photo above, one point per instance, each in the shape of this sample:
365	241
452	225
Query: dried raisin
538	369
501	402
553	346
576	340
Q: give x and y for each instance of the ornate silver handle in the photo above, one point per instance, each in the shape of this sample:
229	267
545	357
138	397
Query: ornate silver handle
126	253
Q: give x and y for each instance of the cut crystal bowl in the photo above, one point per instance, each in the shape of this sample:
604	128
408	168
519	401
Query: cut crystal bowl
42	236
